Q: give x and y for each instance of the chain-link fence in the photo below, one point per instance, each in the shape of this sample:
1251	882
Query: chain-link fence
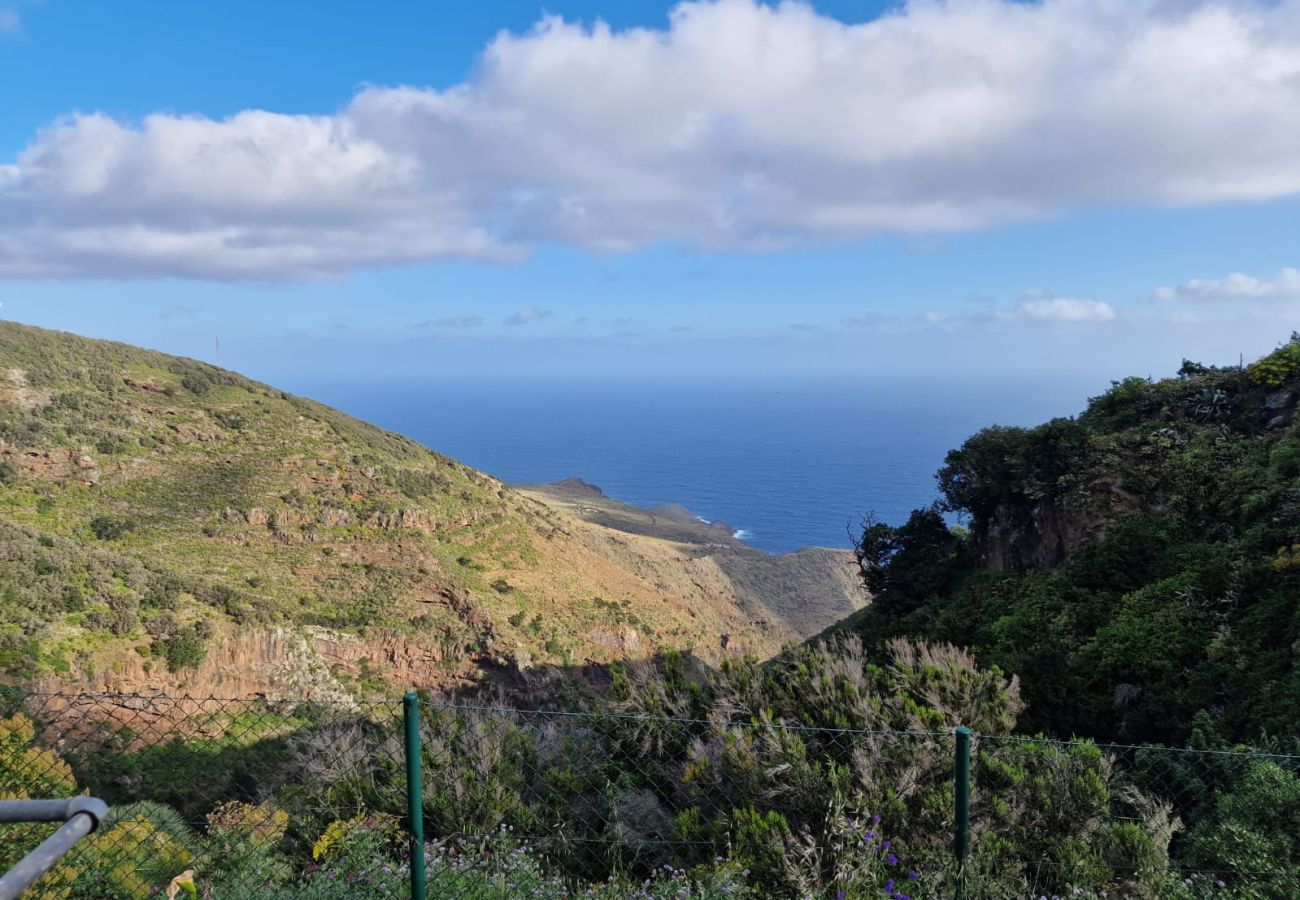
276	798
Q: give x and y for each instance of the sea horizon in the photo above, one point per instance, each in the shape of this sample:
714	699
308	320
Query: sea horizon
787	463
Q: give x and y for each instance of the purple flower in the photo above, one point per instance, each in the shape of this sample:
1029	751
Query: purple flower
889	886
886	845
891	859
913	876
875	820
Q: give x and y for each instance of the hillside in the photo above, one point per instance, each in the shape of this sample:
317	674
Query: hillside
165	522
1138	567
808	589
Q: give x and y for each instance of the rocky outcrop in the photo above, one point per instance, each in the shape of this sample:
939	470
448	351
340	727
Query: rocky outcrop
403	520
191	433
1280	408
276	663
334	518
1022	535
1034	537
59	463
146	386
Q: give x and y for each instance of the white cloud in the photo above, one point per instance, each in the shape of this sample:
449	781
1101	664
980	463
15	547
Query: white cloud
9	21
524	316
1236	288
464	320
738	125
1046	308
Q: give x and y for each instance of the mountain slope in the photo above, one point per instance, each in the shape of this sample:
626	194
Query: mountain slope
272	523
1138	567
808	589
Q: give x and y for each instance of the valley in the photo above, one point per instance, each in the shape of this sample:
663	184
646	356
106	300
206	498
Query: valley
174	526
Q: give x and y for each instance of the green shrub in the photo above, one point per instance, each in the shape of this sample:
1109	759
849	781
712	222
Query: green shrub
1280	366
110	444
197	383
111	528
184	650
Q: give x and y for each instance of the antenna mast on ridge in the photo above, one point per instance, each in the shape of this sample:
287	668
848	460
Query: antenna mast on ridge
216	341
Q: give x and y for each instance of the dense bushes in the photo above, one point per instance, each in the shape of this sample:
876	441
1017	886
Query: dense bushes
1000	466
1134	567
49	583
827	774
111	528
695	764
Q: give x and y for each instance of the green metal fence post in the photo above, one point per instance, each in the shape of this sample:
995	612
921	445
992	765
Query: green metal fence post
961	801
414	792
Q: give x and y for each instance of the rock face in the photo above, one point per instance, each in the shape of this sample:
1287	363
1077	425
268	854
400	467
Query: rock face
277	663
1035	537
1280	401
403	520
1280	408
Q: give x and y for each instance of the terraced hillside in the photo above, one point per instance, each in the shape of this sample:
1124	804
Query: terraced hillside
164	522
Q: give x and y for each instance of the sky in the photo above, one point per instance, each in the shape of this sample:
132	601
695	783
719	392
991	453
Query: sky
413	190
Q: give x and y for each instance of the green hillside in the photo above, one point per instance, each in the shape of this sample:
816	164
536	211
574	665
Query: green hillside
1138	567
151	506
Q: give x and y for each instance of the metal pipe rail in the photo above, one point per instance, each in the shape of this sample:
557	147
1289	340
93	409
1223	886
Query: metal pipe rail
80	816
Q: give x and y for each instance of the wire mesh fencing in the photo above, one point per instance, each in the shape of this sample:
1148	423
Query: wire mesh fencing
262	798
207	797
1192	823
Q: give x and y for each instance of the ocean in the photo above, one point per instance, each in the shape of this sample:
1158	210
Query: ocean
787	464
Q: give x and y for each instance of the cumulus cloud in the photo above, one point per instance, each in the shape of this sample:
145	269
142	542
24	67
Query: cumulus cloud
526	315
1236	288
738	125
1046	308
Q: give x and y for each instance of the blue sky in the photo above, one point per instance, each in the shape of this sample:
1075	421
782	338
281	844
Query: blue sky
727	188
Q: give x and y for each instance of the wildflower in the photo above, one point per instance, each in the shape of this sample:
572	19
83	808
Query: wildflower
913	876
875	820
889	887
891	859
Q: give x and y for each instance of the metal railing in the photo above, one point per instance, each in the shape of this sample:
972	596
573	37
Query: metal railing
79	815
